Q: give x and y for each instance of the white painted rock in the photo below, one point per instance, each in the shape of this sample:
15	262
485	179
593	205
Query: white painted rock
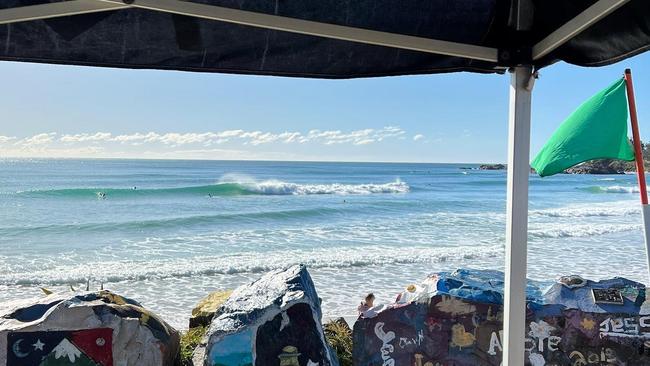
275	320
88	329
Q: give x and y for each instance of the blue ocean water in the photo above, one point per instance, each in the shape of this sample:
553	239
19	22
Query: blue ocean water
167	232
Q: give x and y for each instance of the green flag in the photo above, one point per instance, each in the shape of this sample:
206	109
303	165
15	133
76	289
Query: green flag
596	130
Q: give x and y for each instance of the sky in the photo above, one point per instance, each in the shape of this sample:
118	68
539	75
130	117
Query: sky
82	112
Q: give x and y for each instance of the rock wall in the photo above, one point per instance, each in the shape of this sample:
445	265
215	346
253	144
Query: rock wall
89	329
456	319
275	320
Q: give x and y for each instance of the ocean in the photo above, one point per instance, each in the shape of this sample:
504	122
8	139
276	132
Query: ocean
167	232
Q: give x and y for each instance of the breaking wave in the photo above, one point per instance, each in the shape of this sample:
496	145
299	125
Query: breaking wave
362	256
228	188
609	209
613	189
583	230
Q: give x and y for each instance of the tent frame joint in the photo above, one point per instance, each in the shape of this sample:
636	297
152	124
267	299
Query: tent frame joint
512	57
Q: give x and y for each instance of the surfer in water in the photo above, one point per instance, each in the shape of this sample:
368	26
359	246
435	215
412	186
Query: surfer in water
101	195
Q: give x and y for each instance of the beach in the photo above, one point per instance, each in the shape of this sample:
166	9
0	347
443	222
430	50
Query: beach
167	232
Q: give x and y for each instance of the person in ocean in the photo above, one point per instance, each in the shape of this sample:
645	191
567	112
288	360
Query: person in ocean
102	195
366	305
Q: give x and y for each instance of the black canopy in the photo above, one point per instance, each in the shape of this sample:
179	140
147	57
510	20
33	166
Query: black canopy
145	38
347	39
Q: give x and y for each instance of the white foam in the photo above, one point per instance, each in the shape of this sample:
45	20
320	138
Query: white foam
548	231
608	209
247	262
619	189
278	187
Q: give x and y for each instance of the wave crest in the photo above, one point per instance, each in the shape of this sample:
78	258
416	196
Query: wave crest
275	187
613	189
228	188
240	263
609	209
584	230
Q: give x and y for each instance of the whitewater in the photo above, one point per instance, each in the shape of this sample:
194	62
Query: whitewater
168	232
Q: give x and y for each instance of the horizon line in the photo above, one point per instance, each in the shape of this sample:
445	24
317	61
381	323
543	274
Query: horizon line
241	160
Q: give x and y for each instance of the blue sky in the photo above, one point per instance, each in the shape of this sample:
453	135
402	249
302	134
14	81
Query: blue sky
65	111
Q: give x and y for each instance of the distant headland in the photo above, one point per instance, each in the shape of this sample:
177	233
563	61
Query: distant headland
599	166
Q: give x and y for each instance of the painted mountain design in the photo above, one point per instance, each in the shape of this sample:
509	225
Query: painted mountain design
90	347
66	354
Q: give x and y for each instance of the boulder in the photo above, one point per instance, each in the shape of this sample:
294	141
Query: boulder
457	319
492	167
275	320
204	311
91	328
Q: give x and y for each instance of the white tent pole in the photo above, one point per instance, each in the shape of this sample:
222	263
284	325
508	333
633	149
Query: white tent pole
514	312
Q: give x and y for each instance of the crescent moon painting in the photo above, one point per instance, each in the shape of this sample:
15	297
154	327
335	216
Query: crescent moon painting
16	349
59	347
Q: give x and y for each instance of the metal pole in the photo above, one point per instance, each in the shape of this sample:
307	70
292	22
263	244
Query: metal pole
514	316
638	157
573	27
288	24
55	10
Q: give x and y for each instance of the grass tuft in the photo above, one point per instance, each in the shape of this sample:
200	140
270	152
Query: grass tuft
339	337
189	341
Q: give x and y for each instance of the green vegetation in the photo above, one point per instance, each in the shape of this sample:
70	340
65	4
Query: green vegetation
611	166
189	341
339	337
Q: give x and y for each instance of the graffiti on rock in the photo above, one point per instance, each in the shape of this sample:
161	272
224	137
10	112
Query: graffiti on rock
460	337
91	347
441	328
274	321
235	350
386	347
455	306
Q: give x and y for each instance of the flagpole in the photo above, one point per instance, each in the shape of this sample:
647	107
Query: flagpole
638	158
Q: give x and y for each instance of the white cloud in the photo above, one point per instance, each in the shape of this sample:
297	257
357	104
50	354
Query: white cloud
37	140
5	139
83	137
234	142
358	137
418	137
329	137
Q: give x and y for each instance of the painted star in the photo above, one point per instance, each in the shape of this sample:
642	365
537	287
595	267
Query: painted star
38	345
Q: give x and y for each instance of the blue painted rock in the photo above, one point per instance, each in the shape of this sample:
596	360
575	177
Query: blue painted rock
88	329
456	319
275	320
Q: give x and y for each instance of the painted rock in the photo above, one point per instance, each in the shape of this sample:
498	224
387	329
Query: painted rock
88	329
204	311
456	319
274	321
